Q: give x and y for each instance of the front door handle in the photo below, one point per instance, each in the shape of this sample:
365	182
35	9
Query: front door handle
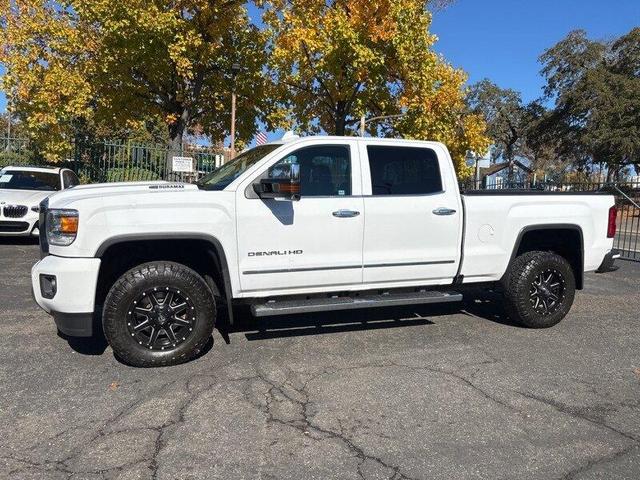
444	211
345	213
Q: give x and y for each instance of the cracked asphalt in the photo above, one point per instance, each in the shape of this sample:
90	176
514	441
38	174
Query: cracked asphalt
430	393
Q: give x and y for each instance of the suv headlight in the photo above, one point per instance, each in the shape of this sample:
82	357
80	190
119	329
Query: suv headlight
62	226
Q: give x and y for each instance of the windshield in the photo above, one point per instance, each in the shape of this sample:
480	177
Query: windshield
223	176
26	180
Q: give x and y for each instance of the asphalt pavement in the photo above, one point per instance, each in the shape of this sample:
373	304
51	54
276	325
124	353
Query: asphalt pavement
451	392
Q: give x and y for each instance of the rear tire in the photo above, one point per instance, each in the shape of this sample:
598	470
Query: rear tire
158	314
539	288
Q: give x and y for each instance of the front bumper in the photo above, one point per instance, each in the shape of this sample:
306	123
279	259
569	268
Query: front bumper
607	264
18	227
72	305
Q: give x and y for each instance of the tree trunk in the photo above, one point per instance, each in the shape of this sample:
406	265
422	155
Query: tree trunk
176	135
340	119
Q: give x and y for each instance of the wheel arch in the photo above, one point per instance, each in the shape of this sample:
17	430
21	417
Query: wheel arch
557	237
160	242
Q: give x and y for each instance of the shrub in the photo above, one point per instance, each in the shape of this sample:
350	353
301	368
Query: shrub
131	174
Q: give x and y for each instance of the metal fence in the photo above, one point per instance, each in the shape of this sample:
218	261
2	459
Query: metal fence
118	161
121	161
626	193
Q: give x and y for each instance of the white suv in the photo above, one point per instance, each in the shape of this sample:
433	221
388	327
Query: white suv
21	191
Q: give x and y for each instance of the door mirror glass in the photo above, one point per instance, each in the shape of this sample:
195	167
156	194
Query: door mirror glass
283	182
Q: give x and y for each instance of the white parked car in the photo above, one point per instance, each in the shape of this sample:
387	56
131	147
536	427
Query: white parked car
310	225
21	191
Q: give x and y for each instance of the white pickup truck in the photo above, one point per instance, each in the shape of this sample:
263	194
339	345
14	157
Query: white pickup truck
307	225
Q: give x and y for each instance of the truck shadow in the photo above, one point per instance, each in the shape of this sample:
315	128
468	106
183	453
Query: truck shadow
479	304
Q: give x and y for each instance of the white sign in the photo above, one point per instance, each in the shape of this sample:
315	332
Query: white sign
5	178
182	164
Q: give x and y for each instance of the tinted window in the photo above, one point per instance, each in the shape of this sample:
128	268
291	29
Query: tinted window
220	178
403	170
27	180
325	170
69	179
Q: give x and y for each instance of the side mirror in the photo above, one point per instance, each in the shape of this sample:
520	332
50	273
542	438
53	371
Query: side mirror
283	182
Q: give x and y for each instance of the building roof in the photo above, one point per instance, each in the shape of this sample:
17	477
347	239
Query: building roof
498	167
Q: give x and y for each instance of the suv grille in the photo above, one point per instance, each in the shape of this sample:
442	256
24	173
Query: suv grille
15	211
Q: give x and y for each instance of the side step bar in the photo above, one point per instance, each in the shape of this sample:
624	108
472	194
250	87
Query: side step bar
288	307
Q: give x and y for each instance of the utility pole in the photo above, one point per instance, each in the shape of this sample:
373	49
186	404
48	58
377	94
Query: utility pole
235	68
8	117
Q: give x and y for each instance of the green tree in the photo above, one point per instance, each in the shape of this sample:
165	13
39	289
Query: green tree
595	87
506	117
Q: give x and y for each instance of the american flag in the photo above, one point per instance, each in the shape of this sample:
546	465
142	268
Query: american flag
261	138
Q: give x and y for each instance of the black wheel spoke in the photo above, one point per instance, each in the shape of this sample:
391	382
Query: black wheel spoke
153	299
168	299
142	325
153	338
142	311
181	321
179	308
170	334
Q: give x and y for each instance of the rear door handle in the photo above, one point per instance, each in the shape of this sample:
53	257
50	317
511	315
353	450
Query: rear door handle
444	211
345	213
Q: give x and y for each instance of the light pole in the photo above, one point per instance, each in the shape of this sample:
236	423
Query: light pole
364	120
235	69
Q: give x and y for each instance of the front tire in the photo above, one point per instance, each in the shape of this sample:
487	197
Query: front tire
539	288
158	314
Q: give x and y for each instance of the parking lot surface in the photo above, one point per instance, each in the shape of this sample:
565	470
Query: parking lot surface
435	392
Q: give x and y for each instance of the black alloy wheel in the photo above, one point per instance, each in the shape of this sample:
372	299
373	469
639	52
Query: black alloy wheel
161	318
547	291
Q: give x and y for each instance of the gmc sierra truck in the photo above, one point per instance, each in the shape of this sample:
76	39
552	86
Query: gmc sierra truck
306	225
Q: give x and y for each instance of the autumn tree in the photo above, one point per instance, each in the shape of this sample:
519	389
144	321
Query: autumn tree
333	61
109	62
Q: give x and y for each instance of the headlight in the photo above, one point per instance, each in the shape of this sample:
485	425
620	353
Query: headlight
35	209
62	226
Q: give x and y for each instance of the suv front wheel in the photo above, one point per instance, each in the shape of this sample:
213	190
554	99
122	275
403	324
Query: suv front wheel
157	314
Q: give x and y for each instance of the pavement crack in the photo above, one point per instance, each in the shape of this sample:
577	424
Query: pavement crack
590	465
578	414
307	426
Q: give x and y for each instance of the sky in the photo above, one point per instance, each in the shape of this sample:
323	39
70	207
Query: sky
502	39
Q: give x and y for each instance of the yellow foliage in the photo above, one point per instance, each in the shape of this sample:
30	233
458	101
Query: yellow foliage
118	63
333	61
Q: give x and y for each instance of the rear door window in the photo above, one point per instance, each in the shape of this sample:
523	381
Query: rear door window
403	170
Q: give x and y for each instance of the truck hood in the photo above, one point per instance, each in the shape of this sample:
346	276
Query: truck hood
30	198
106	190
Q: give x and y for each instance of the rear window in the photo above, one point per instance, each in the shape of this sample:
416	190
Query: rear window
26	180
403	170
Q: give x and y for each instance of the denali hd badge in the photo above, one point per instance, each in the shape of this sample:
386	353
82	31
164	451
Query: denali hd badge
275	252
